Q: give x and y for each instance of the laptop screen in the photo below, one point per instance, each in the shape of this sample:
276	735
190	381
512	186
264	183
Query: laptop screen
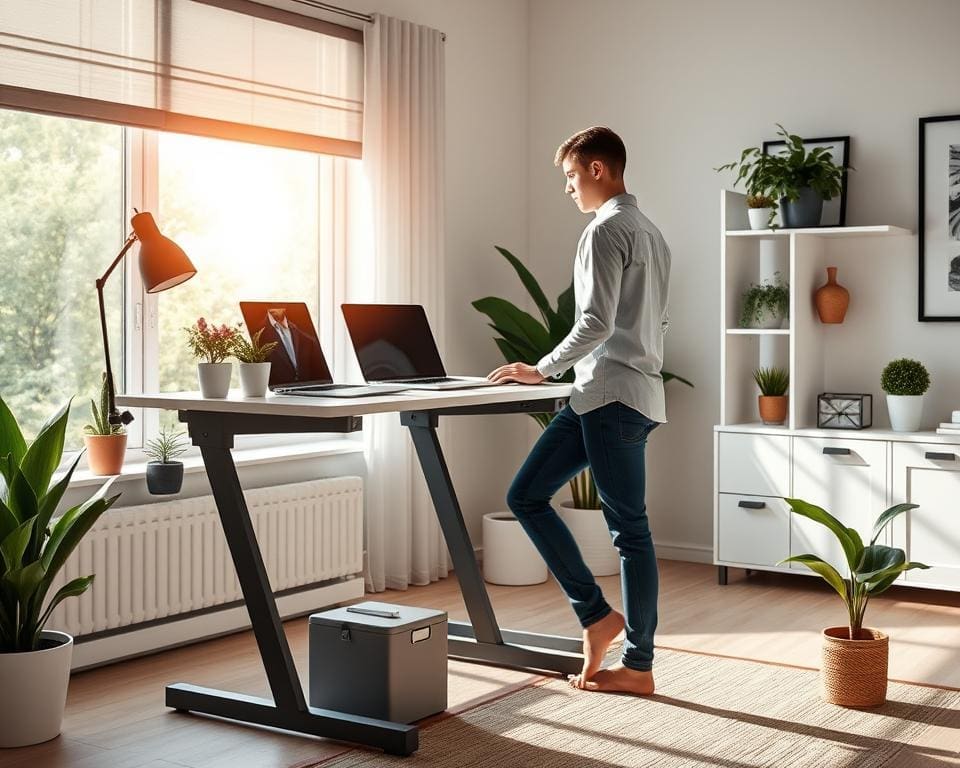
392	341
297	358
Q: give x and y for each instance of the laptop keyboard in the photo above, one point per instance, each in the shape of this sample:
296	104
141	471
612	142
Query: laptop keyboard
319	387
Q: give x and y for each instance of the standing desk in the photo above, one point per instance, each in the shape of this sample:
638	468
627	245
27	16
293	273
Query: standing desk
212	425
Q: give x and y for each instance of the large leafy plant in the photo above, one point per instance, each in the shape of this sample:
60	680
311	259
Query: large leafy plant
524	339
872	568
34	546
784	174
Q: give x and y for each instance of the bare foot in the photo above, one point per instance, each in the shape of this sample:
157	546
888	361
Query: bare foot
617	678
597	639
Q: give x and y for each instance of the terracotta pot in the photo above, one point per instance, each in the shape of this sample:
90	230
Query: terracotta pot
105	453
832	299
773	409
854	672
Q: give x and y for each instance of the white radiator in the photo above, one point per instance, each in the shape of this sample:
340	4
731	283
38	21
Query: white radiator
159	560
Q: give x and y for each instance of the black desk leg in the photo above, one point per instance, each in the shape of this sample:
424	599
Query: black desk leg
481	640
288	709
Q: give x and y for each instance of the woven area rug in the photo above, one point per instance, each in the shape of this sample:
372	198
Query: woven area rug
708	711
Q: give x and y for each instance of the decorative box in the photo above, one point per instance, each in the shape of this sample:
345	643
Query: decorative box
844	411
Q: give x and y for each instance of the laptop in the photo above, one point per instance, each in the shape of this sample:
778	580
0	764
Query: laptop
394	345
298	366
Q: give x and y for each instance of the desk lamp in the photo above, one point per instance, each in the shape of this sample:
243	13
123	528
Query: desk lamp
163	264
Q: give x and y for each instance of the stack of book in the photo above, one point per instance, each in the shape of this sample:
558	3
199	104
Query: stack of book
951	428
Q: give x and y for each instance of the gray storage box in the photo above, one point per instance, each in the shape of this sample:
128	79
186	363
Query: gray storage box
375	666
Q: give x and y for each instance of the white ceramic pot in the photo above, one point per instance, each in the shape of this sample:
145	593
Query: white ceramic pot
34	686
759	218
589	529
905	412
254	378
214	378
509	556
770	319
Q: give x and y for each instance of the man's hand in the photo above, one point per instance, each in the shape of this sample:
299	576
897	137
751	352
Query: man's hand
518	372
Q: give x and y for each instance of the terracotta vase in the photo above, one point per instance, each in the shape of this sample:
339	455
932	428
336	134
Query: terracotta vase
832	299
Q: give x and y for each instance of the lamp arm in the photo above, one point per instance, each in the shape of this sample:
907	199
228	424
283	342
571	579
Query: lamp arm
112	416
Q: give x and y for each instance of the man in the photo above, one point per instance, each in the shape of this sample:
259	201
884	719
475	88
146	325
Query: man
621	279
297	356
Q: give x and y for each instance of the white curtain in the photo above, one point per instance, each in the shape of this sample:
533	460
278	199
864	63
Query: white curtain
403	161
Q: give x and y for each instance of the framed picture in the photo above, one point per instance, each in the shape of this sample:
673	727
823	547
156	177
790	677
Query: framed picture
939	224
834	210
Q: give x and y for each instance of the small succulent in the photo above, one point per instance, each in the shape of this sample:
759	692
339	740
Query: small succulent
101	423
773	382
252	351
168	446
760	201
905	377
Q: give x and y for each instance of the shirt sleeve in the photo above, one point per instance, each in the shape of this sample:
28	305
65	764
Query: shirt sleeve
601	257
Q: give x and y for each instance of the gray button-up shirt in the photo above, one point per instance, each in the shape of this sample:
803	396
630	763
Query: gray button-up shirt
621	279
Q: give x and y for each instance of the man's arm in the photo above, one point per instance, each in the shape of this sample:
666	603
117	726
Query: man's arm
603	264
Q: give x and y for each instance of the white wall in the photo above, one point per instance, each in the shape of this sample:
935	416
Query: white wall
688	85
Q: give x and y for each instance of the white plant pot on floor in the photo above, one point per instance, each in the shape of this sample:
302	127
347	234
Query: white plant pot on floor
509	556
254	378
906	412
34	686
589	529
214	378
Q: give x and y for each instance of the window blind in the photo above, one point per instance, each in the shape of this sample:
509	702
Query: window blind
231	69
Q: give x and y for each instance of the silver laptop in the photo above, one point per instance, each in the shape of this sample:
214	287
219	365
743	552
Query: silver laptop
298	366
394	345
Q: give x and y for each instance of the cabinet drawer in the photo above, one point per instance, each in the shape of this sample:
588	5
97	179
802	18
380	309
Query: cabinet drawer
752	530
758	465
848	478
924	474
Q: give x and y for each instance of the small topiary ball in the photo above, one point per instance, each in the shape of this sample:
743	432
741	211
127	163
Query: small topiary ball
905	377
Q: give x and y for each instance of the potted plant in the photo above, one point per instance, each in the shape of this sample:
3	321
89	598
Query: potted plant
165	476
106	443
772	402
760	211
523	338
765	305
799	179
905	382
34	661
254	366
212	345
854	669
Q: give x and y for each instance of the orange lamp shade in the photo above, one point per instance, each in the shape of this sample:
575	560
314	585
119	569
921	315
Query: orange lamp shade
163	264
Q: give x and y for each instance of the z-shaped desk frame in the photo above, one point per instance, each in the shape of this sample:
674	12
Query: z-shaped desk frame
212	426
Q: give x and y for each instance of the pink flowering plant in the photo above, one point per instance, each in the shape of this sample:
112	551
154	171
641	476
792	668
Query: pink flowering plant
210	343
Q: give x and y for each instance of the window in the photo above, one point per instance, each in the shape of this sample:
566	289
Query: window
61	222
257	222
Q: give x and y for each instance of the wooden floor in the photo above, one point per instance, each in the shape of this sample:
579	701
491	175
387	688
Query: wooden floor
116	719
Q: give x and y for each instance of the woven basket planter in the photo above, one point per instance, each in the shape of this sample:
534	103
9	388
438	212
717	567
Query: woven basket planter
853	673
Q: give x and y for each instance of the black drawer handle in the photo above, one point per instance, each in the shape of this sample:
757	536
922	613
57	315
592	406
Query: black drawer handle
934	456
828	451
752	504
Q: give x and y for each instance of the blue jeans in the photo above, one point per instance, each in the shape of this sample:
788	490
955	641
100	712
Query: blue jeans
610	440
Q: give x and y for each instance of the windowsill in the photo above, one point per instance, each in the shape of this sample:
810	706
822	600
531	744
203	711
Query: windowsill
242	457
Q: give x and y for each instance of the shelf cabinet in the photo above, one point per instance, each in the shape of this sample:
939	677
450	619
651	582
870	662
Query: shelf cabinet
853	475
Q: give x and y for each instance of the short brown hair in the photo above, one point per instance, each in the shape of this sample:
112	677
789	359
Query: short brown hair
596	143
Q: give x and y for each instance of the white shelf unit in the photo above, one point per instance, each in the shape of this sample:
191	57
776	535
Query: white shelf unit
853	474
800	256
